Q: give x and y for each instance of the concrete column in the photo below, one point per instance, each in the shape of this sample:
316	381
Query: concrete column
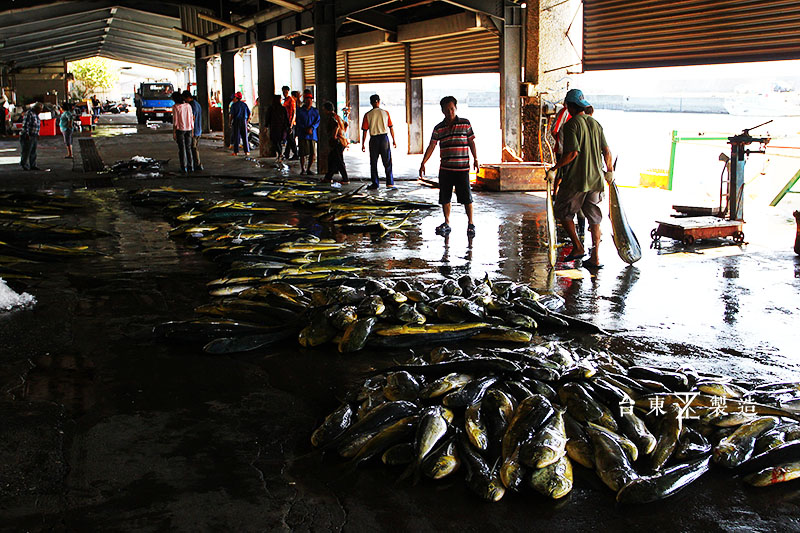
228	88
510	77
354	128
413	107
266	90
353	100
532	14
325	71
201	75
416	143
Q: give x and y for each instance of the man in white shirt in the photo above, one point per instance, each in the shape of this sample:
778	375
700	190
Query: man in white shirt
379	124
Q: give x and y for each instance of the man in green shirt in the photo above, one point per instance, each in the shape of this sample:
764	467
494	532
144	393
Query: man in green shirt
581	185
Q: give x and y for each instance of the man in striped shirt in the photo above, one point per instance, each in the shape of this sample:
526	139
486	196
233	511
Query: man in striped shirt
456	142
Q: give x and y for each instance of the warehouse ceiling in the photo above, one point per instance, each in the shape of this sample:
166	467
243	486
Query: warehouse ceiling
36	33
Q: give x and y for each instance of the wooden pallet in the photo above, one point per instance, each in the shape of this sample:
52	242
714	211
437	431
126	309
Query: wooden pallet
512	177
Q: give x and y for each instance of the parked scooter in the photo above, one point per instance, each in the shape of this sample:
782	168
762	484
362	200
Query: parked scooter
252	134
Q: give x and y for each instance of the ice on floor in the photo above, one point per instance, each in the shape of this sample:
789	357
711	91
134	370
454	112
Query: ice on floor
10	299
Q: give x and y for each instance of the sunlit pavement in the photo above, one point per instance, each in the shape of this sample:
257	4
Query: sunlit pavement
123	432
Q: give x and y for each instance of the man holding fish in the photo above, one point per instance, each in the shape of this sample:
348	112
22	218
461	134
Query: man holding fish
581	187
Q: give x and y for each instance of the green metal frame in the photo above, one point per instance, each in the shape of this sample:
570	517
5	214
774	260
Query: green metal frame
675	141
786	189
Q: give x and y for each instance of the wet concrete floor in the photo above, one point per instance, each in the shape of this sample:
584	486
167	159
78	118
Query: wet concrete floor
106	428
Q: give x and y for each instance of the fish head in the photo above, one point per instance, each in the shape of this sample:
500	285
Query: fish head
494	489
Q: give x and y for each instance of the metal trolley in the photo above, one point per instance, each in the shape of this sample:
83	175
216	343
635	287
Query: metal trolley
692	224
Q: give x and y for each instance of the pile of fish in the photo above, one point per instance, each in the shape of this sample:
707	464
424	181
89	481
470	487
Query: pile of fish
521	419
325	303
32	228
351	211
139	167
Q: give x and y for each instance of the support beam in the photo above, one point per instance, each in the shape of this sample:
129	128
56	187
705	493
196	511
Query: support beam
492	8
266	90
115	30
162	57
325	71
143	45
510	77
223	23
57	48
413	107
532	14
288	5
191	35
201	75
348	7
354	118
438	27
375	19
39	37
351	95
228	88
416	143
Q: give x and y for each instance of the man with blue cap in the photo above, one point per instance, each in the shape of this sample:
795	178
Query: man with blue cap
581	187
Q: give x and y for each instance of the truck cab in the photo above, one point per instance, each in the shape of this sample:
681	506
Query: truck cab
154	102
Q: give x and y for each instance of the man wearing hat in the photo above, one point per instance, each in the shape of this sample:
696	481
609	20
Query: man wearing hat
307	120
240	115
379	124
584	150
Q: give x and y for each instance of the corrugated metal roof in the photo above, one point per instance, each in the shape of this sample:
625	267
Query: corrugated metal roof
76	30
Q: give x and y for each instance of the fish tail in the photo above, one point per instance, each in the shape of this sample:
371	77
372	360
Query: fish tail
411	469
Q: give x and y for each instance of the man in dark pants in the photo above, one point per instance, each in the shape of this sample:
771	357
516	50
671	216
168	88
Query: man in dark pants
197	113
379	124
337	142
29	137
240	116
307	119
456	142
290	104
3	113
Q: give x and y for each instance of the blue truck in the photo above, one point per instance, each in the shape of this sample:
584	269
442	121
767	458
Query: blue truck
153	102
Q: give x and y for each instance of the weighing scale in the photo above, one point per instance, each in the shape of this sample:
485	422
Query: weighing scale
694	223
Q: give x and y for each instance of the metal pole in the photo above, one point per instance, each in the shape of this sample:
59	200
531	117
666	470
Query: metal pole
672	158
786	189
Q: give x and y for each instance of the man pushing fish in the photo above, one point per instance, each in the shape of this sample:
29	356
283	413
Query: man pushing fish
581	187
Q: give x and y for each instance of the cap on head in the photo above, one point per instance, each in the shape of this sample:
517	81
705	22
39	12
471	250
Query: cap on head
374	99
238	95
575	96
308	95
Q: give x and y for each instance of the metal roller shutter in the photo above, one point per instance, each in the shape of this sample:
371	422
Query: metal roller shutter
308	69
461	54
633	34
467	53
384	64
